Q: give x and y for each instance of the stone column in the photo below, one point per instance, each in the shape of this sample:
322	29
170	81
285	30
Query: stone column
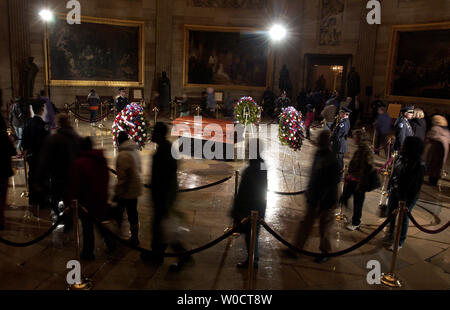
365	57
163	37
19	33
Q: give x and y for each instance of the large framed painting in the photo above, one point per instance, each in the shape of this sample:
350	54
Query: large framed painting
227	58
97	52
419	64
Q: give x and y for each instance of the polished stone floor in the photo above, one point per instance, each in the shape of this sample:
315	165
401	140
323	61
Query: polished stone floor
423	263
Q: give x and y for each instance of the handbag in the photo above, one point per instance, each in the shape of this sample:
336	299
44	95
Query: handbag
373	181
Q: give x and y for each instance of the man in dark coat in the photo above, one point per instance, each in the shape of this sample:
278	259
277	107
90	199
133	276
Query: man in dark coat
301	101
321	196
94	103
58	154
164	191
251	196
5	167
121	100
383	126
282	102
402	127
89	181
34	135
339	136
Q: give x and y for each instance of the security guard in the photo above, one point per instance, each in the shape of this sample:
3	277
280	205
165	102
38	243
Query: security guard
402	127
121	100
339	136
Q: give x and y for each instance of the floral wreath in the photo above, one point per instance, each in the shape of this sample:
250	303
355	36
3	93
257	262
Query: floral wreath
247	111
132	120
291	128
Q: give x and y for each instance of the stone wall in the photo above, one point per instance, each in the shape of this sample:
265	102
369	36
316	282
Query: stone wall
164	35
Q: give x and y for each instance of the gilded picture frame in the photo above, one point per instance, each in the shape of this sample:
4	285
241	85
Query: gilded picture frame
393	61
269	59
138	68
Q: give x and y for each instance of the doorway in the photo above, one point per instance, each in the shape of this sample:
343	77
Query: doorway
326	72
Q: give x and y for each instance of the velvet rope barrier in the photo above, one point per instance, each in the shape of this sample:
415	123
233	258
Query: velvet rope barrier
86	120
423	229
313	254
38	239
186	190
180	254
387	164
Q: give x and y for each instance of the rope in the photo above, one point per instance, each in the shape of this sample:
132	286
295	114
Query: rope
313	254
186	190
423	229
289	194
180	254
380	148
387	164
38	239
86	120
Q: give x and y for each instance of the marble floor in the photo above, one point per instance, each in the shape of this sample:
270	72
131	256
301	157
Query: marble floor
423	263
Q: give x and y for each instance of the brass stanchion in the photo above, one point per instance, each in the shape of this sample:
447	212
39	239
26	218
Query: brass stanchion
198	110
390	279
384	193
340	216
85	284
251	254
25	168
236	188
156	110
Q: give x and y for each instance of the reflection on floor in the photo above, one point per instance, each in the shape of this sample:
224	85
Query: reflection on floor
423	263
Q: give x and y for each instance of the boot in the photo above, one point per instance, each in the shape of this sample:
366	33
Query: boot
134	240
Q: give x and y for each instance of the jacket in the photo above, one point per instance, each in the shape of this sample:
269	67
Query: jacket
438	143
252	193
339	136
128	166
402	130
121	103
419	127
164	178
407	178
322	188
7	151
329	113
19	114
361	164
383	124
34	135
89	183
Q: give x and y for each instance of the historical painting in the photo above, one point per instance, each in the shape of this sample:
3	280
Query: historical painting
225	4
227	58
419	63
97	52
331	22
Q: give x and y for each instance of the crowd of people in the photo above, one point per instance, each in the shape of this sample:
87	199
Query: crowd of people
64	166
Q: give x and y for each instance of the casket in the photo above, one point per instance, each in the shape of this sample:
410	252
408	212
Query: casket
190	128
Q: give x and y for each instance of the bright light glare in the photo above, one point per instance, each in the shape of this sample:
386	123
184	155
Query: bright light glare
277	33
46	15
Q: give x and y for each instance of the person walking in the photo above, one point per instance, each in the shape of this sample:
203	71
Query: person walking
383	126
402	127
19	115
94	102
356	180
129	184
405	184
251	196
89	181
419	124
339	136
309	120
164	192
438	141
58	154
6	171
35	133
321	197
50	109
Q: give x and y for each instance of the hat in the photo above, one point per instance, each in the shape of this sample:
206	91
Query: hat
407	109
439	120
345	109
122	89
